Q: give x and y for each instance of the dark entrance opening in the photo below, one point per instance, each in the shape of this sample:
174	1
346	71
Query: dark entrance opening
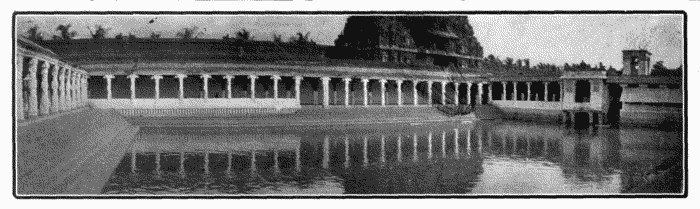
581	119
583	91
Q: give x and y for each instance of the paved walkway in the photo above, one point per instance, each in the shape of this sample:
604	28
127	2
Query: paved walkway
309	116
71	154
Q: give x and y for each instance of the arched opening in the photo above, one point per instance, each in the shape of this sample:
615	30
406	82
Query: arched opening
583	91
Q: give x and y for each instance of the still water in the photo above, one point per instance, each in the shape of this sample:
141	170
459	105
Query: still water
483	157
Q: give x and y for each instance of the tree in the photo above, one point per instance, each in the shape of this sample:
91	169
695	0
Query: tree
119	36
659	66
527	63
243	35
100	32
302	38
188	33
519	64
154	35
34	34
65	32
226	37
509	63
277	38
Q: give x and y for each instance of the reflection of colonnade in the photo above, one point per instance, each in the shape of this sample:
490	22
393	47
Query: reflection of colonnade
45	85
380	149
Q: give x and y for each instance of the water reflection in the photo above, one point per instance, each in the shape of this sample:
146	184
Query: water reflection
480	158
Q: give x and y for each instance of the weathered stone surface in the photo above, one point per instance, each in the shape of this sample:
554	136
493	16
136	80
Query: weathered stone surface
81	148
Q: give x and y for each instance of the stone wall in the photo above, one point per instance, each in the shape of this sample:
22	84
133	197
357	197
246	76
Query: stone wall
530	110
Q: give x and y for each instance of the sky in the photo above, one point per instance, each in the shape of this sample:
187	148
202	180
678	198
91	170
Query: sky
554	39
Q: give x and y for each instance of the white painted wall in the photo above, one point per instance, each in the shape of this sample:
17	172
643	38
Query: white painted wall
193	103
540	105
647	95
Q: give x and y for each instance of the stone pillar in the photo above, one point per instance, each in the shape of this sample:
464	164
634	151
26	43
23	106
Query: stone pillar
456	151
85	88
297	87
504	96
54	89
456	94
62	88
590	118
180	78
490	97
561	93
19	87
133	86
430	93
399	92
252	85
443	84
430	145
546	92
444	154
326	150
529	84
275	90
326	91
229	94
347	152
109	85
364	89
206	85
398	149
45	101
347	91
66	88
157	79
71	88
382	83
565	119
515	91
365	159
415	93
481	93
469	93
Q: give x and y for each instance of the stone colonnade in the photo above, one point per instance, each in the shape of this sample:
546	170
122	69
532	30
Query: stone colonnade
45	86
529	95
326	83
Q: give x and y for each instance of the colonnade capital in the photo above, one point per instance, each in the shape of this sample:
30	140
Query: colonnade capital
382	81
443	82
325	78
157	77
228	77
347	79
365	80
298	78
206	76
276	77
132	76
181	76
528	83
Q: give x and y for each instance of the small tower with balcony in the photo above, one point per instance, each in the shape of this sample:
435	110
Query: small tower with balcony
636	62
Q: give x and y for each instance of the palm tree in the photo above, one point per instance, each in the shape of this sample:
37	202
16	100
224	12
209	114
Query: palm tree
188	33
34	34
100	32
243	35
66	34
